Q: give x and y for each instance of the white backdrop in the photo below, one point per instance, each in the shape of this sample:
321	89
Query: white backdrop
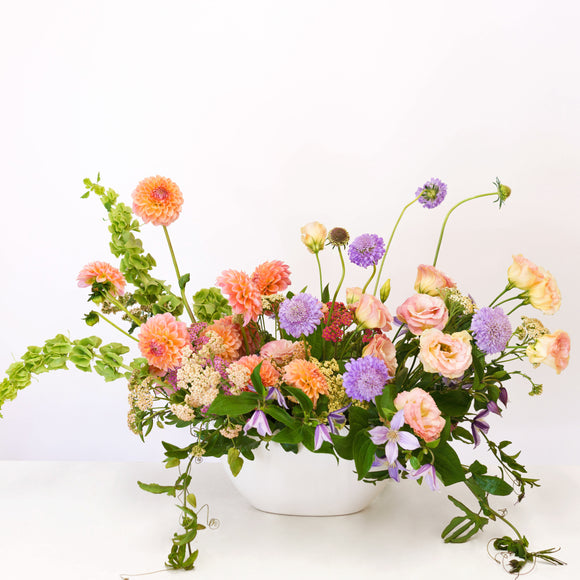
270	115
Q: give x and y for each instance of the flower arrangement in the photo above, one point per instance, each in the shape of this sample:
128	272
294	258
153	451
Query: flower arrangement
252	362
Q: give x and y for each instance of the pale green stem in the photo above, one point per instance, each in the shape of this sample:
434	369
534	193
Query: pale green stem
319	272
447	217
117	327
339	285
389	244
369	280
518	306
506	289
121	307
182	290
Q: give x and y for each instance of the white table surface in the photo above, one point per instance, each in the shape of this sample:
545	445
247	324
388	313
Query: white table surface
89	520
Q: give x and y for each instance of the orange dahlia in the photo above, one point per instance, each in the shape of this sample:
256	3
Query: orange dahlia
161	341
271	277
231	335
243	294
268	373
102	273
157	200
307	377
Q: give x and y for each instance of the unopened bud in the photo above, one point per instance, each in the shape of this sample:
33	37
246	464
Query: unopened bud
385	290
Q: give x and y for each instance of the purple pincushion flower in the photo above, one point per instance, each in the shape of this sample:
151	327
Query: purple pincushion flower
365	378
492	329
366	250
300	315
432	193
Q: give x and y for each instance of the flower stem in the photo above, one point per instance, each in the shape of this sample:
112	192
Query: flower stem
369	280
339	285
117	327
389	244
182	289
319	272
121	307
518	306
506	289
447	217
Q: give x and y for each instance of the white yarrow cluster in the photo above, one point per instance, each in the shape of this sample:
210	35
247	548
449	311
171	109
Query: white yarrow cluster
239	376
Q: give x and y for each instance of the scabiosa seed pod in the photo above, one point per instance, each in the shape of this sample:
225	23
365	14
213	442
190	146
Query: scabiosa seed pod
503	191
338	237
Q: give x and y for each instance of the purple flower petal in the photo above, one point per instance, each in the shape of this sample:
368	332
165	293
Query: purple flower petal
321	435
391	451
493	408
408	441
274	393
398	420
379	435
503	396
259	422
394	472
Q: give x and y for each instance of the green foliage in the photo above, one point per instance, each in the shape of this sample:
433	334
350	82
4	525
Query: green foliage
233	406
209	305
461	528
235	461
447	464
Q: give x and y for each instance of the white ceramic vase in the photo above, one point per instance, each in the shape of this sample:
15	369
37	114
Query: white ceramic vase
302	484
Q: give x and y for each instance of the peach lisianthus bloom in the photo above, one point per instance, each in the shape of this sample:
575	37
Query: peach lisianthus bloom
423	311
430	280
372	313
268	373
157	200
307	377
162	339
552	350
102	273
243	295
421	413
523	273
545	295
382	347
446	354
271	277
231	335
313	236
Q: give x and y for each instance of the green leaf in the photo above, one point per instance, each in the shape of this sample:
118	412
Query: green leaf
281	415
192	500
492	484
184	280
257	380
288	435
156	488
447	464
234	405
302	398
235	461
460	529
325	294
452	403
173	462
364	453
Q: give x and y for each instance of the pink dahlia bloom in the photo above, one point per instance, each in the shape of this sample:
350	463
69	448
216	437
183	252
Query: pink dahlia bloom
157	200
161	341
271	277
102	273
243	295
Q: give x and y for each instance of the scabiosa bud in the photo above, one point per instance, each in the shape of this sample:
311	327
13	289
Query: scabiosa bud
432	193
338	237
503	191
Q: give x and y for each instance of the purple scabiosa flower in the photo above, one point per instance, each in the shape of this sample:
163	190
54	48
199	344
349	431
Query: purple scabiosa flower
394	437
365	378
393	468
432	193
427	471
366	250
492	329
477	425
300	315
321	435
258	422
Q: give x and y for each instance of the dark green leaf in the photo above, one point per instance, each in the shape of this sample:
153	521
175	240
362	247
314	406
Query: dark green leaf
447	464
364	453
156	488
302	398
492	484
257	381
183	281
234	405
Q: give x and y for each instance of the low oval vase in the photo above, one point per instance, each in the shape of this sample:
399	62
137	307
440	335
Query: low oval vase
302	484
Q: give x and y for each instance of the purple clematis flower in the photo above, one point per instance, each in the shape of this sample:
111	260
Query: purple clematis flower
274	393
321	435
337	418
503	396
394	468
478	424
427	471
493	407
259	422
394	438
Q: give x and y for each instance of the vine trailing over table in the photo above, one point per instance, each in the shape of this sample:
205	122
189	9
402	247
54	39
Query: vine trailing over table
257	363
